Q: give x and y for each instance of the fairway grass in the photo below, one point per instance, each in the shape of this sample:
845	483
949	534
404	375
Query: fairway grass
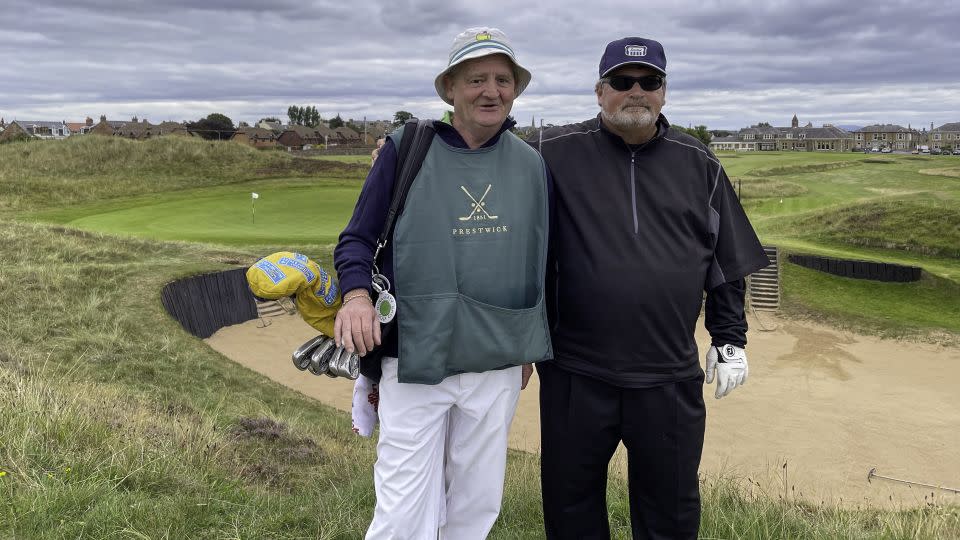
928	309
303	213
894	208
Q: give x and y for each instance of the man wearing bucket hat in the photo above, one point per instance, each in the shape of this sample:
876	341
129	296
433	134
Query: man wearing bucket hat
467	260
648	214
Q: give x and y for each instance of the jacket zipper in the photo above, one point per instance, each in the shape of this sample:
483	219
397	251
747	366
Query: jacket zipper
633	190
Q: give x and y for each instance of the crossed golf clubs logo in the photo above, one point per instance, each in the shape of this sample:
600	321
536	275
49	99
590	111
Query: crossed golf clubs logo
477	206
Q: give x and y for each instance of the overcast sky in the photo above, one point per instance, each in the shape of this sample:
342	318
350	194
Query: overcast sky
730	64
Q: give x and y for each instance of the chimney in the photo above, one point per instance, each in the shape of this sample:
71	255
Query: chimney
89	121
103	118
134	120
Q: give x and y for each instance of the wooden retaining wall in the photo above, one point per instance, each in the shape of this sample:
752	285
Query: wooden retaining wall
205	303
858	269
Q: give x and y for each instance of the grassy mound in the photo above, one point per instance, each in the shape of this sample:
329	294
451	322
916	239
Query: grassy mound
52	174
953	173
804	168
923	226
753	187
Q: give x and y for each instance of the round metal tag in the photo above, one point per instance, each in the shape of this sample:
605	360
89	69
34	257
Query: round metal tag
386	307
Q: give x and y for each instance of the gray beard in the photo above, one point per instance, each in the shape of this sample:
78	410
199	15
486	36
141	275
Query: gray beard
635	119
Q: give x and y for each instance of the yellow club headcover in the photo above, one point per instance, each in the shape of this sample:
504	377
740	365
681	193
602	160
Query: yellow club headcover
291	274
318	304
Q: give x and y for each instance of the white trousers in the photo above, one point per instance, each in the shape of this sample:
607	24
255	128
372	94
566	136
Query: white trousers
442	455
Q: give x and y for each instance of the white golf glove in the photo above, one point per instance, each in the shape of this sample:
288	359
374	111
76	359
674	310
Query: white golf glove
729	364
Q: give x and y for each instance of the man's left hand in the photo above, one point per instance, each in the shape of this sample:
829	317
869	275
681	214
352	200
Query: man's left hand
729	365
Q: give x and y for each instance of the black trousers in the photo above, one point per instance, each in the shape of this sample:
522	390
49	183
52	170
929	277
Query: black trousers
583	420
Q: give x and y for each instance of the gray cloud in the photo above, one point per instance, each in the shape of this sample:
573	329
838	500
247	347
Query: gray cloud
730	63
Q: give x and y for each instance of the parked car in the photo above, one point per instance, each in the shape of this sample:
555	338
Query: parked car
934	151
914	151
956	150
886	150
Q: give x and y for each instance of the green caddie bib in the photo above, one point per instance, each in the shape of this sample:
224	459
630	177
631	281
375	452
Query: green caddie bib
469	254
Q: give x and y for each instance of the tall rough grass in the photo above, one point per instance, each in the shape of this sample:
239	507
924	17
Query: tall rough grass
113	421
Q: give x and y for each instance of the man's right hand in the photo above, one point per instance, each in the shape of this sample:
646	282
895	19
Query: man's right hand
376	151
357	328
729	364
525	372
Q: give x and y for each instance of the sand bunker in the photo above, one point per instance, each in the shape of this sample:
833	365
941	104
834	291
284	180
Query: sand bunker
829	404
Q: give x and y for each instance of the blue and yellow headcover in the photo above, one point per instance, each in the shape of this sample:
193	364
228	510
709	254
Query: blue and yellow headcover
286	273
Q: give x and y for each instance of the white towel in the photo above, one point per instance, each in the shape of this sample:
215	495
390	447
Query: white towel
366	398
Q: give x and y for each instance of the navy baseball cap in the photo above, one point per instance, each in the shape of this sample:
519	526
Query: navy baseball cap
633	50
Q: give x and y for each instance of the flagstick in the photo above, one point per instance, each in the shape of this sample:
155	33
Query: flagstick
253	211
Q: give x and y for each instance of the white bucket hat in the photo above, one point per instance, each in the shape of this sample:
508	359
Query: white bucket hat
474	43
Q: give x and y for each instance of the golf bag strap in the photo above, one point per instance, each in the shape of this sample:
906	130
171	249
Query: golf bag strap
417	136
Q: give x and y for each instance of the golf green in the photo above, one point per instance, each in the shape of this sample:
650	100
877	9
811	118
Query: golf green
282	214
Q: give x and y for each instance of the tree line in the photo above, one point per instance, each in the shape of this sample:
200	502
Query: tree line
219	126
309	116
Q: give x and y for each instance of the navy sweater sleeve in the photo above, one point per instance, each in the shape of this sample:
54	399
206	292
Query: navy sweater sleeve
353	256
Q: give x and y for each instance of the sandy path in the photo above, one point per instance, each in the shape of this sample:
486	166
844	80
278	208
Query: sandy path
829	404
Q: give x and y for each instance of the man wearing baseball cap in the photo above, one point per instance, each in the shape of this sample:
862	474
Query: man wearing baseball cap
646	222
467	260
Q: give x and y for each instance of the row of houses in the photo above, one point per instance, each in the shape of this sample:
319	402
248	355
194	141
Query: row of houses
132	129
263	135
829	138
271	134
294	137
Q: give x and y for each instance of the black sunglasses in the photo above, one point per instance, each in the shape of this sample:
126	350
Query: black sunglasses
622	83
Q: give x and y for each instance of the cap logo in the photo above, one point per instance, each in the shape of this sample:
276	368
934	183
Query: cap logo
635	50
483	36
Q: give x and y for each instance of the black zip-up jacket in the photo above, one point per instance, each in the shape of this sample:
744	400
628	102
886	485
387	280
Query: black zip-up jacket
639	232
